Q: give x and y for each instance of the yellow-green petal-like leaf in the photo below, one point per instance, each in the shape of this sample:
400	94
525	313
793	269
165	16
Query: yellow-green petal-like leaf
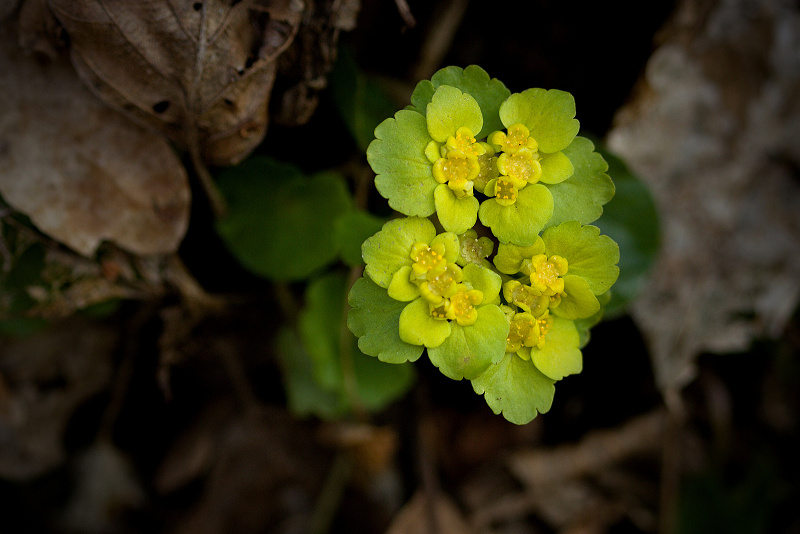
451	245
451	109
469	350
515	388
457	215
484	280
390	249
591	256
548	114
401	288
509	257
578	301
521	222
556	168
560	355
417	327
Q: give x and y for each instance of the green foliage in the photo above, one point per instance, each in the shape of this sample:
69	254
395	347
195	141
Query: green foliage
322	360
281	223
494	272
516	325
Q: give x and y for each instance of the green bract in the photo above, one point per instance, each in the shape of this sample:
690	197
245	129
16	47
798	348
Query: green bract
501	172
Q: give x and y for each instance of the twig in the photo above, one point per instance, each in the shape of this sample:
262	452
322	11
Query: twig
440	38
670	462
427	466
405	12
219	207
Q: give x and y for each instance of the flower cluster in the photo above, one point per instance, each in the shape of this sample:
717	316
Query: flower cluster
504	294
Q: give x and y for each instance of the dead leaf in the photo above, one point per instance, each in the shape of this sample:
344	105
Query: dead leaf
420	514
47	377
80	171
597	451
714	135
200	72
106	487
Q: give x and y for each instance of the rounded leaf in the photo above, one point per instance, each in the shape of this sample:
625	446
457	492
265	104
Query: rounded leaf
403	172
374	319
470	350
417	327
591	256
449	110
280	223
582	196
556	168
515	388
521	222
578	301
484	280
457	215
390	249
548	114
560	355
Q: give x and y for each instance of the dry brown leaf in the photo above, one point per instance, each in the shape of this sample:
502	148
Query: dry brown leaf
714	134
80	171
43	380
420	515
200	72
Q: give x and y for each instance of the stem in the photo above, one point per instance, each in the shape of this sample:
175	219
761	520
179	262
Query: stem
219	207
330	497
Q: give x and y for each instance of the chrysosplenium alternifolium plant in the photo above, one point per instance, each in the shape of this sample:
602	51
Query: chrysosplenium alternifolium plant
495	270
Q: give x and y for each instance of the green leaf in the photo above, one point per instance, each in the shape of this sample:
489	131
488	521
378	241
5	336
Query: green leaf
449	110
390	249
401	287
590	255
473	80
548	114
578	301
418	327
374	318
320	327
484	280
319	324
582	196
469	350
280	223
560	355
456	215
360	100
556	168
378	383
350	230
397	155
509	257
515	388
630	219
521	222
304	394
